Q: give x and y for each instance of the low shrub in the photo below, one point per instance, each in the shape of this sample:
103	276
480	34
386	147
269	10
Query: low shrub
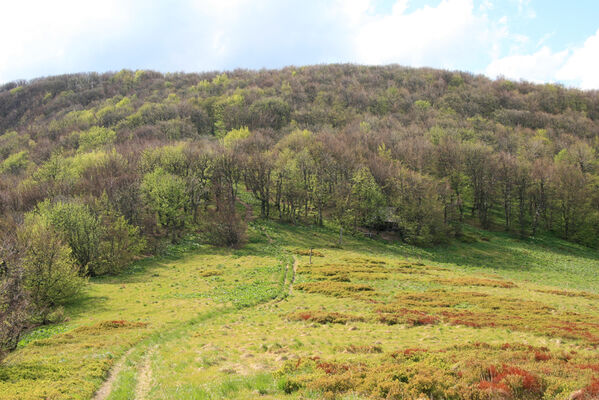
323	317
337	289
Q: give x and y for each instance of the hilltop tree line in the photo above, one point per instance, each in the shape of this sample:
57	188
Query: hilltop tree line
97	170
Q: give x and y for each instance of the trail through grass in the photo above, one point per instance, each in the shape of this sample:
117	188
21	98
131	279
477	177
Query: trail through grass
458	321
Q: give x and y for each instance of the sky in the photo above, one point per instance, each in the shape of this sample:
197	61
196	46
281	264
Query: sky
535	40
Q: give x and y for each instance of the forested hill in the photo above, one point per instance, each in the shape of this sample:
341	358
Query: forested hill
151	156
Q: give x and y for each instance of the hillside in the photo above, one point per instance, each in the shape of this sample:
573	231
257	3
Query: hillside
371	319
418	150
155	232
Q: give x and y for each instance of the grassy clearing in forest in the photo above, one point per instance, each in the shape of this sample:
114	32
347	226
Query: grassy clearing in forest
496	318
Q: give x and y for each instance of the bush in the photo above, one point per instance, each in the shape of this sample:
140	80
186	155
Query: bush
79	229
226	228
120	242
101	240
95	137
50	274
166	198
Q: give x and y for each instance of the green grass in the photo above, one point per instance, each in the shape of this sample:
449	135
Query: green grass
217	319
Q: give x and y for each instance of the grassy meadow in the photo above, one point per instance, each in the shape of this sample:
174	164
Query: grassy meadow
486	318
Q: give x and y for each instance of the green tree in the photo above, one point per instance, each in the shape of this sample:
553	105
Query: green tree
120	242
166	198
80	229
95	137
50	273
366	199
15	163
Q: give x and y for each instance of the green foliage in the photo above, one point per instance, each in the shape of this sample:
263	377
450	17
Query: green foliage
422	105
50	274
170	158
120	242
11	142
15	163
366	200
80	229
166	199
95	137
270	113
228	114
433	151
63	172
101	240
234	136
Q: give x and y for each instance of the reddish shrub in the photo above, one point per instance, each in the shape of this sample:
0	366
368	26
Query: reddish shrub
587	393
497	378
542	356
426	320
593	367
332	368
592	389
411	352
305	316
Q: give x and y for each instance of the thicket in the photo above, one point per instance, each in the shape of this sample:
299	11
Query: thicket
114	165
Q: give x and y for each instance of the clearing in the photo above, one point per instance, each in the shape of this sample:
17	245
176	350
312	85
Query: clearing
493	318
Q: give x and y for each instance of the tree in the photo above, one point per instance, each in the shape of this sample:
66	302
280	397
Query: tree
166	199
522	183
506	177
198	178
365	200
14	307
271	112
95	137
257	175
50	273
79	228
541	171
418	210
225	227
14	301
481	171
120	241
569	186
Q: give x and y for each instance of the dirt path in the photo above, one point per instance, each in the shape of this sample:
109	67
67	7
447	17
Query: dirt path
104	391
144	376
293	273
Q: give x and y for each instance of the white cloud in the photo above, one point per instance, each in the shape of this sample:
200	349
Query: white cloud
448	35
43	37
541	66
572	66
525	9
35	32
582	66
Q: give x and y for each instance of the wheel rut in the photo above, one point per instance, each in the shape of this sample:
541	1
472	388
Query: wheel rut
104	391
144	375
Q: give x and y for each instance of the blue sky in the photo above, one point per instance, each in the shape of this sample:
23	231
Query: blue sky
535	40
